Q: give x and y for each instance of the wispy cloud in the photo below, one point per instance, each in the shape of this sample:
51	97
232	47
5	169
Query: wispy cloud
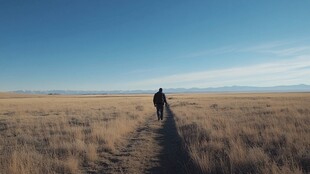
289	51
292	67
281	49
276	48
285	72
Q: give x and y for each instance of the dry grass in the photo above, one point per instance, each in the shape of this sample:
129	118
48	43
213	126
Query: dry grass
63	134
228	133
245	133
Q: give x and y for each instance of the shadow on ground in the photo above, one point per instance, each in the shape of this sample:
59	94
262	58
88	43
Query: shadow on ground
173	158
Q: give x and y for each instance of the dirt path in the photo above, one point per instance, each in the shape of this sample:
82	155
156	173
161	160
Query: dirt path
155	147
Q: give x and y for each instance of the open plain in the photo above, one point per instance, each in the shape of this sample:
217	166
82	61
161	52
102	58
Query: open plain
200	133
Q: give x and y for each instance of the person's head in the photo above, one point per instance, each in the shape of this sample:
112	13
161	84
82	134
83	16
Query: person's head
160	89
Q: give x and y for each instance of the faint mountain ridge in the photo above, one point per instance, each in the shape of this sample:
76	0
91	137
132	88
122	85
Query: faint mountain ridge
289	88
231	89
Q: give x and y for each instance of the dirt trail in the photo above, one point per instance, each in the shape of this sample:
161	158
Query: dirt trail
155	147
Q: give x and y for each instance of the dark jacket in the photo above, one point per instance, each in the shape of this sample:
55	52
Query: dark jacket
159	98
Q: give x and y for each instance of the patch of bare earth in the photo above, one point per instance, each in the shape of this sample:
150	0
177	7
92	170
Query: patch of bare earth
154	147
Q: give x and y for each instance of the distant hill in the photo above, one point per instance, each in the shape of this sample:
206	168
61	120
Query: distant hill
291	88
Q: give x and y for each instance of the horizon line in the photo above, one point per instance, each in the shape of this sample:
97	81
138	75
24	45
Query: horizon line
129	90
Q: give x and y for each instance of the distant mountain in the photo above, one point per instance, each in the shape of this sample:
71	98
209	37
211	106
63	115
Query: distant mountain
291	88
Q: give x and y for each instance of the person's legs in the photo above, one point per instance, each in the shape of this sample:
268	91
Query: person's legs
158	112
161	110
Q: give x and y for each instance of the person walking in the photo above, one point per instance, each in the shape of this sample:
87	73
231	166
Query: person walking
159	100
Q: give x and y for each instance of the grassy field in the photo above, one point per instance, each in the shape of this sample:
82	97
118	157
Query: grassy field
246	133
222	133
61	134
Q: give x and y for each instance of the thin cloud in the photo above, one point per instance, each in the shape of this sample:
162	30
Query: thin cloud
274	73
276	48
267	46
289	51
281	49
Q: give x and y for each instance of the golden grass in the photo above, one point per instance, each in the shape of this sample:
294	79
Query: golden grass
63	134
245	133
223	133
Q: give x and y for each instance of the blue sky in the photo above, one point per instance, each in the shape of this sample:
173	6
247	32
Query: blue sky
143	44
